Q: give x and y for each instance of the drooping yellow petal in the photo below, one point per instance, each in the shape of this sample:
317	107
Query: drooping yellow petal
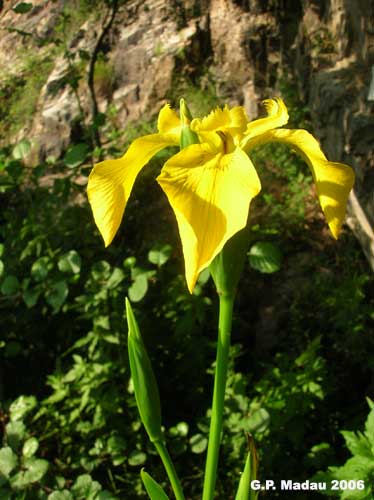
169	123
232	120
111	181
277	116
210	194
333	181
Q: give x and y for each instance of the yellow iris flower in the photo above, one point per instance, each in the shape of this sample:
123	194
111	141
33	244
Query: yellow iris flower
210	185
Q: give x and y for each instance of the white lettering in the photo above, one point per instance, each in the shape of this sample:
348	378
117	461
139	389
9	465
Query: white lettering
269	484
255	485
286	484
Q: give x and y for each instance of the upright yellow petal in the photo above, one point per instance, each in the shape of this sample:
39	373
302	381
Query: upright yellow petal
232	120
210	194
169	123
333	181
111	181
277	116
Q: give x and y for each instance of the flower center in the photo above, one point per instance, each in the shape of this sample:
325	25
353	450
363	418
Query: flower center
227	142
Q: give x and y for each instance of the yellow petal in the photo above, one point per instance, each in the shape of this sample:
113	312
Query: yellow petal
169	123
111	181
277	116
210	194
333	181
227	120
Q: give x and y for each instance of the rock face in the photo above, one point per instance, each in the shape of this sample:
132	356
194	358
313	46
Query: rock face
246	46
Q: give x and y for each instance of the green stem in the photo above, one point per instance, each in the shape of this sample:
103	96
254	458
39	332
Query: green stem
226	303
170	469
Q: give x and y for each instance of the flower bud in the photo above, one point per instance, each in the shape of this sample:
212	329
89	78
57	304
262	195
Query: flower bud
145	385
188	137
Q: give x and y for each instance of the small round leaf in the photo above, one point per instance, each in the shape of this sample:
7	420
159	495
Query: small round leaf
160	254
30	447
70	262
21	407
10	285
8	461
198	443
60	495
137	458
57	294
265	257
22	149
76	155
40	268
139	288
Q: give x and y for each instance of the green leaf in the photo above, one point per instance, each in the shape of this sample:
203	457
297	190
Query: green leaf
204	276
30	447
116	278
22	149
137	458
181	429
105	495
154	490
1	268
30	297
70	262
116	444
57	294
2	248
15	432
159	254
129	262
85	487
60	495
357	443
139	288
265	257
36	469
8	461
76	155
40	268
198	443
244	489
369	427
21	407
258	421
10	285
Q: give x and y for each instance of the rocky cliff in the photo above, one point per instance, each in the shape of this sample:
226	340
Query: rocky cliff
128	55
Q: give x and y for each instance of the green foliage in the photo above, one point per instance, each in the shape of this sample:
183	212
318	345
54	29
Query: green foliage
354	479
277	411
23	475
